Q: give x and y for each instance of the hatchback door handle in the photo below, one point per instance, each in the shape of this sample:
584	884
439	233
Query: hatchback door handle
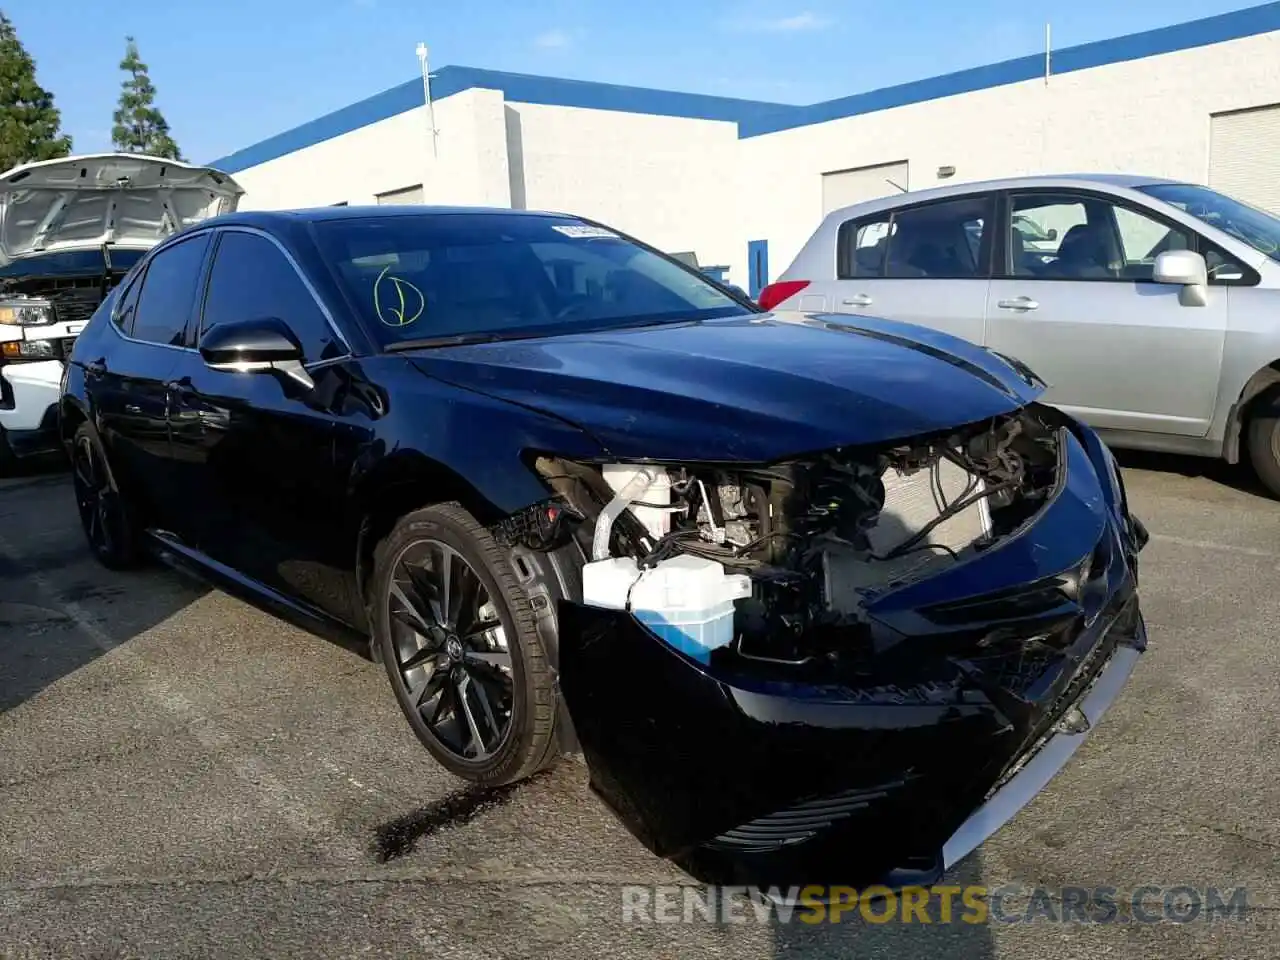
1018	303
857	300
96	368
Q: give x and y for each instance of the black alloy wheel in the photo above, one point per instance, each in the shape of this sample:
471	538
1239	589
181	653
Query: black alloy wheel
104	516
451	650
458	640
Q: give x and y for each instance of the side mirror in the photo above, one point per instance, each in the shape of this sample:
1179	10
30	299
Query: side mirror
1184	268
1052	233
254	346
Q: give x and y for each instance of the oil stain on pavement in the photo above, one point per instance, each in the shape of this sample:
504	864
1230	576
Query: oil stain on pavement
398	837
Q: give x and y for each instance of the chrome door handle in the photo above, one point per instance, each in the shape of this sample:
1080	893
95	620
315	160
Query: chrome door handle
1018	303
132	408
857	300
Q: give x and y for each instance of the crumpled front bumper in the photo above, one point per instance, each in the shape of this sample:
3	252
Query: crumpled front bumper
779	781
1043	761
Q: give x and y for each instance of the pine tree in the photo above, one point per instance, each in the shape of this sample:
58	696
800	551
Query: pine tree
139	126
29	121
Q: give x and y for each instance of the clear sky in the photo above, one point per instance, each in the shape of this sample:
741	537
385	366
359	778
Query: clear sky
233	72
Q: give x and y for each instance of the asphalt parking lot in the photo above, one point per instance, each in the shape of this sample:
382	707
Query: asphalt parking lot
181	775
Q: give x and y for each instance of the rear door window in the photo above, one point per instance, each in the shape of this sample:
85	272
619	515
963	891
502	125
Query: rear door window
168	293
949	240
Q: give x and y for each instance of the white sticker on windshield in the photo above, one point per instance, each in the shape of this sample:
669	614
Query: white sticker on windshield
583	231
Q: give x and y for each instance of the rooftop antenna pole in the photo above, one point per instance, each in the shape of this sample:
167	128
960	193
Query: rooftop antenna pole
1048	51
426	95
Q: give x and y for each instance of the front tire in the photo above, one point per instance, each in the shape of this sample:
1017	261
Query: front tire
105	515
1264	450
458	639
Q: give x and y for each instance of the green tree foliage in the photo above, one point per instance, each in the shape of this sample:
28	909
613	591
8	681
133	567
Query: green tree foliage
139	126
29	122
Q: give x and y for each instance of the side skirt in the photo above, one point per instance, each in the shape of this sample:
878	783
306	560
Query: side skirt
173	552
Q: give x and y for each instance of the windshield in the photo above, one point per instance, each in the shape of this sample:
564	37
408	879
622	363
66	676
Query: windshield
70	263
1250	225
501	275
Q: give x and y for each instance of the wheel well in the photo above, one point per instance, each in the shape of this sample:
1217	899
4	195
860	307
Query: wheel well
402	488
69	420
1259	392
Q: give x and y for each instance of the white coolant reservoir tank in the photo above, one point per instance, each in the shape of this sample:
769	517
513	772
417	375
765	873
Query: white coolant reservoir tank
606	583
658	493
688	602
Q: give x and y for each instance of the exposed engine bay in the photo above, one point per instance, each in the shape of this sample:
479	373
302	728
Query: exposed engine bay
67	299
806	544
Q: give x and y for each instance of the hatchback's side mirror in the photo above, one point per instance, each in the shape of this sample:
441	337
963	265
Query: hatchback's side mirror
253	346
1184	268
1052	234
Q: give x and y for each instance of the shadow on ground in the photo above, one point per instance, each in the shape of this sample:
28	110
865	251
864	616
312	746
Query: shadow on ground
59	609
1237	476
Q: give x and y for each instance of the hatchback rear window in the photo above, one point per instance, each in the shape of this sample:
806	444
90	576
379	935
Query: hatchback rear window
473	275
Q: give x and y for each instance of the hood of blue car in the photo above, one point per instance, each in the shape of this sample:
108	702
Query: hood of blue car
747	389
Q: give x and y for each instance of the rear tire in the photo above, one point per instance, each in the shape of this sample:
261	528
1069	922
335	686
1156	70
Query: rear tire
1264	448
457	636
105	514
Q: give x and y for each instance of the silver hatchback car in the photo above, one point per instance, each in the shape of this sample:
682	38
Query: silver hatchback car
1151	308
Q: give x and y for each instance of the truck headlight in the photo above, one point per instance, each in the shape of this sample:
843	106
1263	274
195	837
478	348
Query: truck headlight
30	350
26	313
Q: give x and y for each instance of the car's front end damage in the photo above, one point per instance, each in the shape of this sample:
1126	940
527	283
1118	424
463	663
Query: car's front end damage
930	628
837	596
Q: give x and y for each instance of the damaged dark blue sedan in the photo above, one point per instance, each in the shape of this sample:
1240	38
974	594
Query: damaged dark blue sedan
820	599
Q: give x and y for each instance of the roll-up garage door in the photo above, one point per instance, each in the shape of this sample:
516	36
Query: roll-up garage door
408	195
1244	155
842	188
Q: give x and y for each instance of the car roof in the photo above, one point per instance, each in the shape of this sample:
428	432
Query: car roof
1060	180
266	219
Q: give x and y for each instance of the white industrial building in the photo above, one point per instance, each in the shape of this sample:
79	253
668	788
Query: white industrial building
742	184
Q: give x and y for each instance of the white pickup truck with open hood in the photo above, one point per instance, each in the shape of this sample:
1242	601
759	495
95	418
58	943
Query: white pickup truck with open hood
70	229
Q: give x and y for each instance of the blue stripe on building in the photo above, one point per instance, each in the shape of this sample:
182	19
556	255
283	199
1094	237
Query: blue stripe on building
753	117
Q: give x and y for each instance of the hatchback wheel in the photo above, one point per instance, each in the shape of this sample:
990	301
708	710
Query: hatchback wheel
457	637
1264	449
104	514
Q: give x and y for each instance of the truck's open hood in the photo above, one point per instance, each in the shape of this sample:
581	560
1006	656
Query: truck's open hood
127	200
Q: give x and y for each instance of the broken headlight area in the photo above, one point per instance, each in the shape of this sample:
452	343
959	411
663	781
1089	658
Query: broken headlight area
780	566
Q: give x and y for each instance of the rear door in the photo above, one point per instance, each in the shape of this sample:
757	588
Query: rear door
927	264
126	384
1074	299
256	449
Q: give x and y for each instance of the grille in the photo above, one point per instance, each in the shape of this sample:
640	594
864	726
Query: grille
801	822
1017	670
75	305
